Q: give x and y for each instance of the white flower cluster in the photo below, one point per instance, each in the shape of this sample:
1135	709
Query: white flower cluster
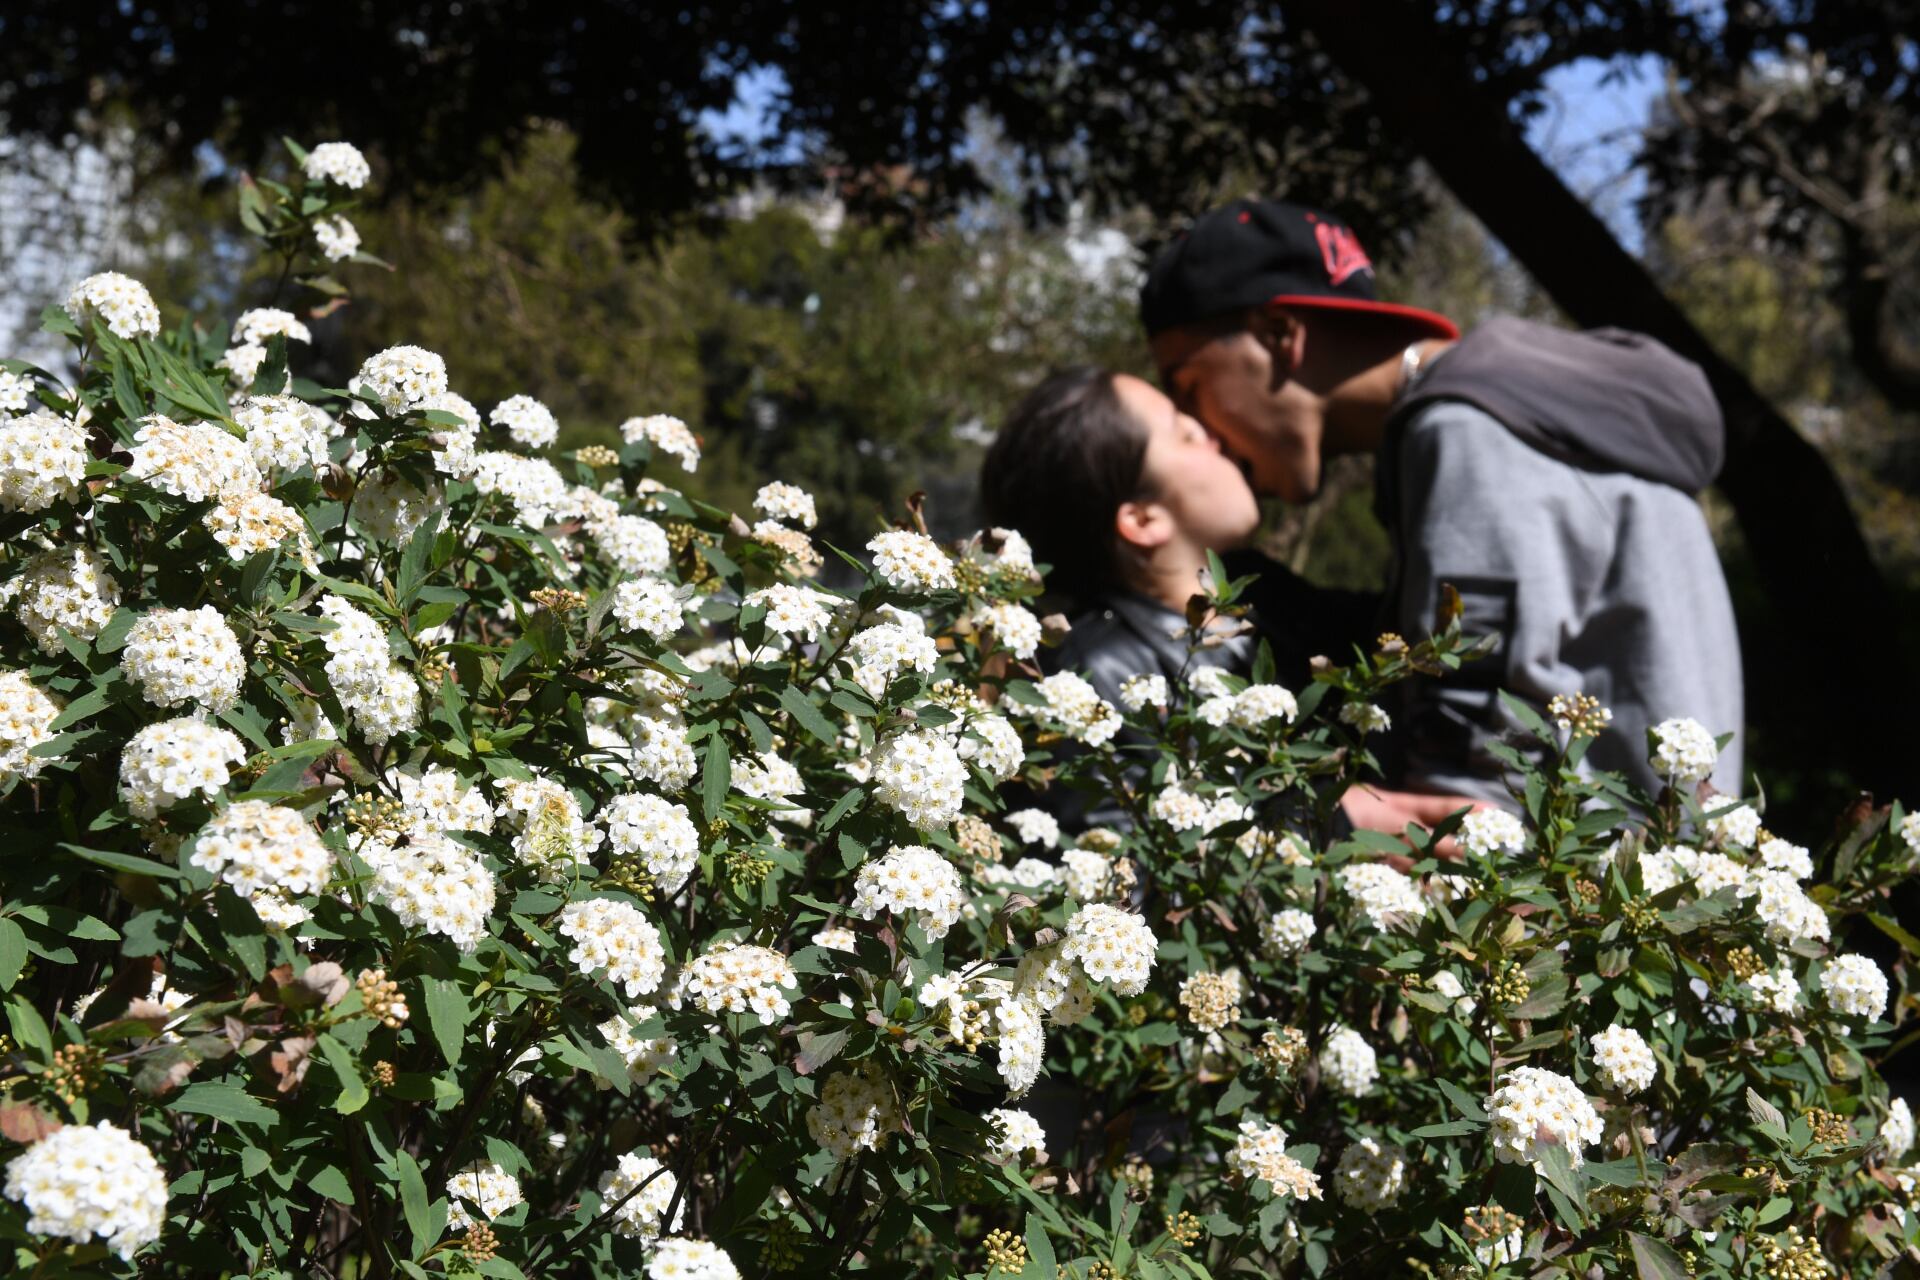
1141	691
1260	704
650	605
401	378
67	588
638	1191
1778	991
1855	987
1084	873
992	743
337	237
1015	1133
483	1186
920	774
1113	945
388	507
27	713
1014	627
453	454
856	1111
338	162
1075	708
1288	932
911	878
380	696
1787	858
1367	718
644	1056
250	335
676	1258
1348	1063
1491	833
552	835
909	561
633	545
529	424
433	883
255	846
782	501
1386	895
284	434
1371	1175
1003	551
732	978
1622	1060
1447	983
658	831
612	935
1784	907
880	653
1896	1132
1035	826
666	434
164	763
1260	1153
184	655
1737	828
440	800
1910	832
1684	751
767	777
193	460
534	487
800	612
87	1182
1532	1108
121	302
247	523
43	460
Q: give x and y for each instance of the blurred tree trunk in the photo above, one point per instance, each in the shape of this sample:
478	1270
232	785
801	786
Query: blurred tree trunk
1804	541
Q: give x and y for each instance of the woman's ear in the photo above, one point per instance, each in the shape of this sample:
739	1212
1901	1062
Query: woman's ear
1282	336
1143	525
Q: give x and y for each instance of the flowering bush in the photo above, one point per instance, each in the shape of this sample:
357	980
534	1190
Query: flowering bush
429	857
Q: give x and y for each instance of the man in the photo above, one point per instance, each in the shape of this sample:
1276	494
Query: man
1549	476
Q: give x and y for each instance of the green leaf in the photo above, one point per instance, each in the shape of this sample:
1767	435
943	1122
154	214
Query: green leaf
224	1101
806	715
413	1201
841	808
1040	1248
1450	1129
29	1028
1556	1166
1655	1259
716	775
126	862
448	1013
13	953
1463	1102
353	1090
1908	943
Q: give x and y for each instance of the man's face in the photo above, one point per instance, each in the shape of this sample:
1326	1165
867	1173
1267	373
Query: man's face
1231	381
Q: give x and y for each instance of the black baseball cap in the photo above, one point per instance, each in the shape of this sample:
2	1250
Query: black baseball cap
1254	252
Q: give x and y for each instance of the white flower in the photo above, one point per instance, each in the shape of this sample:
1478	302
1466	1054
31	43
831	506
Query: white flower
1014	627
881	653
1447	983
638	1193
1288	932
656	830
666	434
27	713
552	834
1212	1000
337	237
1035	826
380	695
1666	867
1622	1060
909	561
781	501
1084	873
1015	1133
1716	871
1489	833
1181	809
1531	1109
766	777
433	883
243	362
837	938
1684	752
801	612
856	1111
1259	704
1348	1063
1208	681
388	507
1371	1175
255	847
1787	858
644	1057
87	1182
530	424
43	460
261	323
1143	690
1384	894
248	523
1367	718
16	392
538	495
731	978
1021	1037
678	1259
1260	1153
184	655
339	162
1855	987
166	762
614	936
1113	945
1778	991
1784	907
1737	828
1073	706
482	1185
193	460
918	773
911	878
992	743
650	605
1910	832
1896	1131
400	378
68	587
633	545
284	434
122	302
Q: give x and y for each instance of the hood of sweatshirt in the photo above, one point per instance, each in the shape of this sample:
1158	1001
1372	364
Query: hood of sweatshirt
1602	399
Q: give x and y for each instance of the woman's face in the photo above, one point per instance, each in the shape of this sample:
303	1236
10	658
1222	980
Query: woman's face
1201	488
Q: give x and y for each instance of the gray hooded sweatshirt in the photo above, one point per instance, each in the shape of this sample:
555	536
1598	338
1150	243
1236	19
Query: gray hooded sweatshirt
1550	476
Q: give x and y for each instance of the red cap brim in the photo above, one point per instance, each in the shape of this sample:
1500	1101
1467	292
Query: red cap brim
1432	323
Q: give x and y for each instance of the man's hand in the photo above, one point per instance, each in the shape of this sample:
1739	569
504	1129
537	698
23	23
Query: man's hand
1374	809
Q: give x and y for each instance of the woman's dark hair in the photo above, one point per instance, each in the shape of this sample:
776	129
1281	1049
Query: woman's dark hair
1069	455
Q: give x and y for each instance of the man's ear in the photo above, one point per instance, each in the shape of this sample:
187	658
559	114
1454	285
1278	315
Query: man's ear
1143	525
1283	336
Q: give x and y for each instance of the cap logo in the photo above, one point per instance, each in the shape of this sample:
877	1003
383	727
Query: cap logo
1341	252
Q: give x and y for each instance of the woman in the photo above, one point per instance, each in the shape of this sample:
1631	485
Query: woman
1124	495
